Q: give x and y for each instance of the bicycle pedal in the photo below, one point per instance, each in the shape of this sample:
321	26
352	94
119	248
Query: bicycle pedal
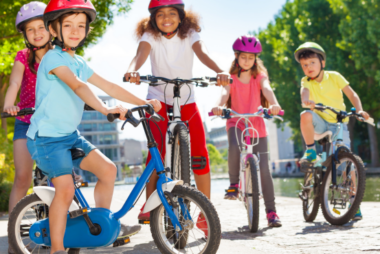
77	213
307	167
121	241
144	222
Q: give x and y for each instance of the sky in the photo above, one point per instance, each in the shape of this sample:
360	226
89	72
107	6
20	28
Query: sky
222	23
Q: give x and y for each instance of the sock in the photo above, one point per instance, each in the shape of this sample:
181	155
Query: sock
236	185
312	146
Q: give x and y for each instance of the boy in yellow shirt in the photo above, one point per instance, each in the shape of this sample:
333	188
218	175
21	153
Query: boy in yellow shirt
326	87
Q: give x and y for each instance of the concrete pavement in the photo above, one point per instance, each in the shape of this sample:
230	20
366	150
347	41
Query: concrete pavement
295	236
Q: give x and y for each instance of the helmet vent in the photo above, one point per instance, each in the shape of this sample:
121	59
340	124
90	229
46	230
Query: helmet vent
255	43
242	41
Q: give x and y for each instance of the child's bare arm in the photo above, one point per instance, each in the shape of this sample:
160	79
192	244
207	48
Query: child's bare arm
269	95
120	93
14	86
355	100
142	54
305	98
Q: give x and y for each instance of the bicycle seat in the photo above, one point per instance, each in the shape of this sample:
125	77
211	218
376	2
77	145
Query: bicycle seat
77	153
324	137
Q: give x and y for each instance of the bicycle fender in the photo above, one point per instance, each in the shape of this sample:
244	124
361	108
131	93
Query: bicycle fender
46	194
154	200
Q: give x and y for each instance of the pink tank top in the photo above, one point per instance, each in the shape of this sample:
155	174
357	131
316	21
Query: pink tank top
245	98
28	85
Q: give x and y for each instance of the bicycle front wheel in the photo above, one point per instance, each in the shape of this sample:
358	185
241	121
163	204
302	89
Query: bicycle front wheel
311	196
340	202
180	164
252	195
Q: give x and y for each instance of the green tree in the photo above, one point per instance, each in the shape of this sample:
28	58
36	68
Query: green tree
300	21
361	39
11	41
214	155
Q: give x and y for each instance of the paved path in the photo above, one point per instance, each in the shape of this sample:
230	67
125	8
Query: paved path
296	236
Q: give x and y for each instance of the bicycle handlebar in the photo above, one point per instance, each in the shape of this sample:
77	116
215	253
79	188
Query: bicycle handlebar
342	114
281	113
262	112
22	112
153	81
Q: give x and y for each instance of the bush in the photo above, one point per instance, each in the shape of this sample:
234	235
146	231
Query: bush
5	191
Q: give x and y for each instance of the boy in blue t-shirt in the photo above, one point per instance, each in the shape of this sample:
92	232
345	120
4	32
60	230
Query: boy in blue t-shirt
60	95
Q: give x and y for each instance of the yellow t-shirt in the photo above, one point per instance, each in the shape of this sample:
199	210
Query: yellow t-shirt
328	92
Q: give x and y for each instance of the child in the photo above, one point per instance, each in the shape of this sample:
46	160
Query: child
324	87
29	22
60	92
249	90
171	37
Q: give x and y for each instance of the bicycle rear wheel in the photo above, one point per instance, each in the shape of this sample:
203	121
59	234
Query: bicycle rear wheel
180	164
252	195
311	196
341	202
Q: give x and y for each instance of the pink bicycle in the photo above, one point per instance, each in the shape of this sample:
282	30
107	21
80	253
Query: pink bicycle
249	184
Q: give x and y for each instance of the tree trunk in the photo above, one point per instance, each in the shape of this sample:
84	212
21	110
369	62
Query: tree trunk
373	146
350	126
3	86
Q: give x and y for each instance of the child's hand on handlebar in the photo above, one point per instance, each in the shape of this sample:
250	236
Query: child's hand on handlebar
309	103
275	109
218	111
133	77
119	109
155	103
12	110
364	114
223	79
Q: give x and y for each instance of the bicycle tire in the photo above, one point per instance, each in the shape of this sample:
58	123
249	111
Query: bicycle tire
180	164
209	211
252	196
310	214
359	193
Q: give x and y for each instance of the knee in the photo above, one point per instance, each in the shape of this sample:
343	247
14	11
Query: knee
23	180
110	173
306	117
66	194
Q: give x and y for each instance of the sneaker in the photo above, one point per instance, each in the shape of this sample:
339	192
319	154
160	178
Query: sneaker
358	215
273	219
232	193
202	224
310	156
129	230
144	218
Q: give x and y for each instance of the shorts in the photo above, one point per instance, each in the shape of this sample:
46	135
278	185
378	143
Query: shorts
321	126
20	130
53	155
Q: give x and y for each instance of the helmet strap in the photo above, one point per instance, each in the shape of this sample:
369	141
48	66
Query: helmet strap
32	47
153	21
239	67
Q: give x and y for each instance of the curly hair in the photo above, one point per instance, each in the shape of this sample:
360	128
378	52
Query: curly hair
191	21
257	69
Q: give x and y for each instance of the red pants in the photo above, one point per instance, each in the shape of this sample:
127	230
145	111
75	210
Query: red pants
198	147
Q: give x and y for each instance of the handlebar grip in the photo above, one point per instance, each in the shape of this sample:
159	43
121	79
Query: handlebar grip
216	80
125	80
210	114
281	113
22	112
5	115
112	117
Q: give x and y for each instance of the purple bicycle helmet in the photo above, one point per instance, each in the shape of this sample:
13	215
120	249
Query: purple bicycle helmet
248	44
29	12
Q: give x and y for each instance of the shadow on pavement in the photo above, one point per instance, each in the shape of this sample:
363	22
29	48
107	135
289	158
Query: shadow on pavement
325	227
243	233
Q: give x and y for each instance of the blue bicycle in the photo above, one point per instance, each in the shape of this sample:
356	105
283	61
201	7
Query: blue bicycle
174	212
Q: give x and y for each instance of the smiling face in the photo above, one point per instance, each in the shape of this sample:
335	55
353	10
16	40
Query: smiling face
73	29
246	60
311	66
167	19
36	33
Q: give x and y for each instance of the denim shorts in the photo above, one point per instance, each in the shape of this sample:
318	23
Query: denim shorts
53	155
321	126
20	130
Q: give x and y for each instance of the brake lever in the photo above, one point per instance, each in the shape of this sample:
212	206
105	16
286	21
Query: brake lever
279	118
130	119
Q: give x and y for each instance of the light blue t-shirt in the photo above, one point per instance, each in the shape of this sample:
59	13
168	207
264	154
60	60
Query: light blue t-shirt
58	109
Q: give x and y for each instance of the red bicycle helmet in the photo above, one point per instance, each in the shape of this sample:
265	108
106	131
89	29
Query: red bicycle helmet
156	4
57	8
